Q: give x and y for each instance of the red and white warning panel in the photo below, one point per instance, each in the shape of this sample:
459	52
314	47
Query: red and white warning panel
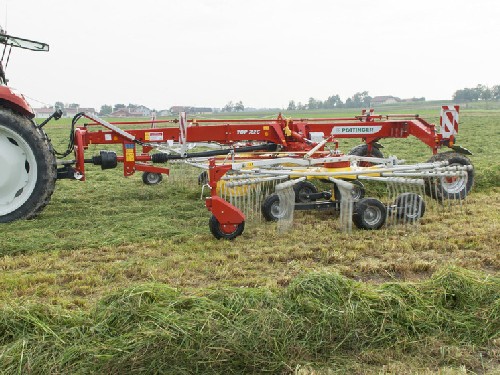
449	120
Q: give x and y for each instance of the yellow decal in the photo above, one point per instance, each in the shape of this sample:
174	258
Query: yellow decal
286	129
129	154
265	127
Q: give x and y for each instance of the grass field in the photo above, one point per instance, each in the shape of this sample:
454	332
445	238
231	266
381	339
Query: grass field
117	277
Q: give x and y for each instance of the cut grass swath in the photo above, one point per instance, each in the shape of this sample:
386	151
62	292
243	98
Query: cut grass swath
152	328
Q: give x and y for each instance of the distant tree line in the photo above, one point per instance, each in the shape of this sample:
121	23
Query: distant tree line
362	99
108	109
105	109
233	107
358	100
480	92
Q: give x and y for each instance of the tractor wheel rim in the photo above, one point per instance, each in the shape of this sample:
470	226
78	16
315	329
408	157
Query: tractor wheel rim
372	215
18	171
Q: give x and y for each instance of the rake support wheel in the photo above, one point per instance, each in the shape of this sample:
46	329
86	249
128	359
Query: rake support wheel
203	178
409	207
227	231
27	168
271	209
362	150
442	188
151	178
369	213
357	193
302	189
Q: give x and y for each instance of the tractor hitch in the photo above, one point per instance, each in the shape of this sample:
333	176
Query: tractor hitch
68	172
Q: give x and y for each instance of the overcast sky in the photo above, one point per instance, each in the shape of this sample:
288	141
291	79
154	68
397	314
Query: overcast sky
262	52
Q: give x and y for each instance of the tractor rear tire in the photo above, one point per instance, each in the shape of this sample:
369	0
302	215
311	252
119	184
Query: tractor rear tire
28	168
457	188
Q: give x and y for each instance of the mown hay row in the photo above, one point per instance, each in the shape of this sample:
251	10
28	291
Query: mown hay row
154	329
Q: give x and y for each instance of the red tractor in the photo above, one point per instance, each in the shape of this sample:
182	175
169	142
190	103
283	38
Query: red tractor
28	165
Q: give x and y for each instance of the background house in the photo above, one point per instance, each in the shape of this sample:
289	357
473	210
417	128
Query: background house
45	112
132	110
381	100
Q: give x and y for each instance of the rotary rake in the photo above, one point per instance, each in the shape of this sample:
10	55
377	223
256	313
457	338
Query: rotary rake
264	166
245	189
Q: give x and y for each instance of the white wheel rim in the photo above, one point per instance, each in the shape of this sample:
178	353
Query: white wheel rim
412	209
455	185
372	215
357	192
277	211
153	178
18	171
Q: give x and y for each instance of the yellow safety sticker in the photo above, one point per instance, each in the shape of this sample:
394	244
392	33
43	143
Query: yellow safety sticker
129	154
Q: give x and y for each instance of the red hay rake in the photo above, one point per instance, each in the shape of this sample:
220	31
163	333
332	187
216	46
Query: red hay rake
287	151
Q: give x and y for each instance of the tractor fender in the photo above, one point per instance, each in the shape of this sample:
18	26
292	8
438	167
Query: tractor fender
15	101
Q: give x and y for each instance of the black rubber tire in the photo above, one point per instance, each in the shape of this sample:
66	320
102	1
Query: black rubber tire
439	190
45	160
357	193
369	213
218	233
302	189
203	178
403	210
151	178
270	208
362	150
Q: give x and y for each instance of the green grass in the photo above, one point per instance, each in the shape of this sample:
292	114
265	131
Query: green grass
87	286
